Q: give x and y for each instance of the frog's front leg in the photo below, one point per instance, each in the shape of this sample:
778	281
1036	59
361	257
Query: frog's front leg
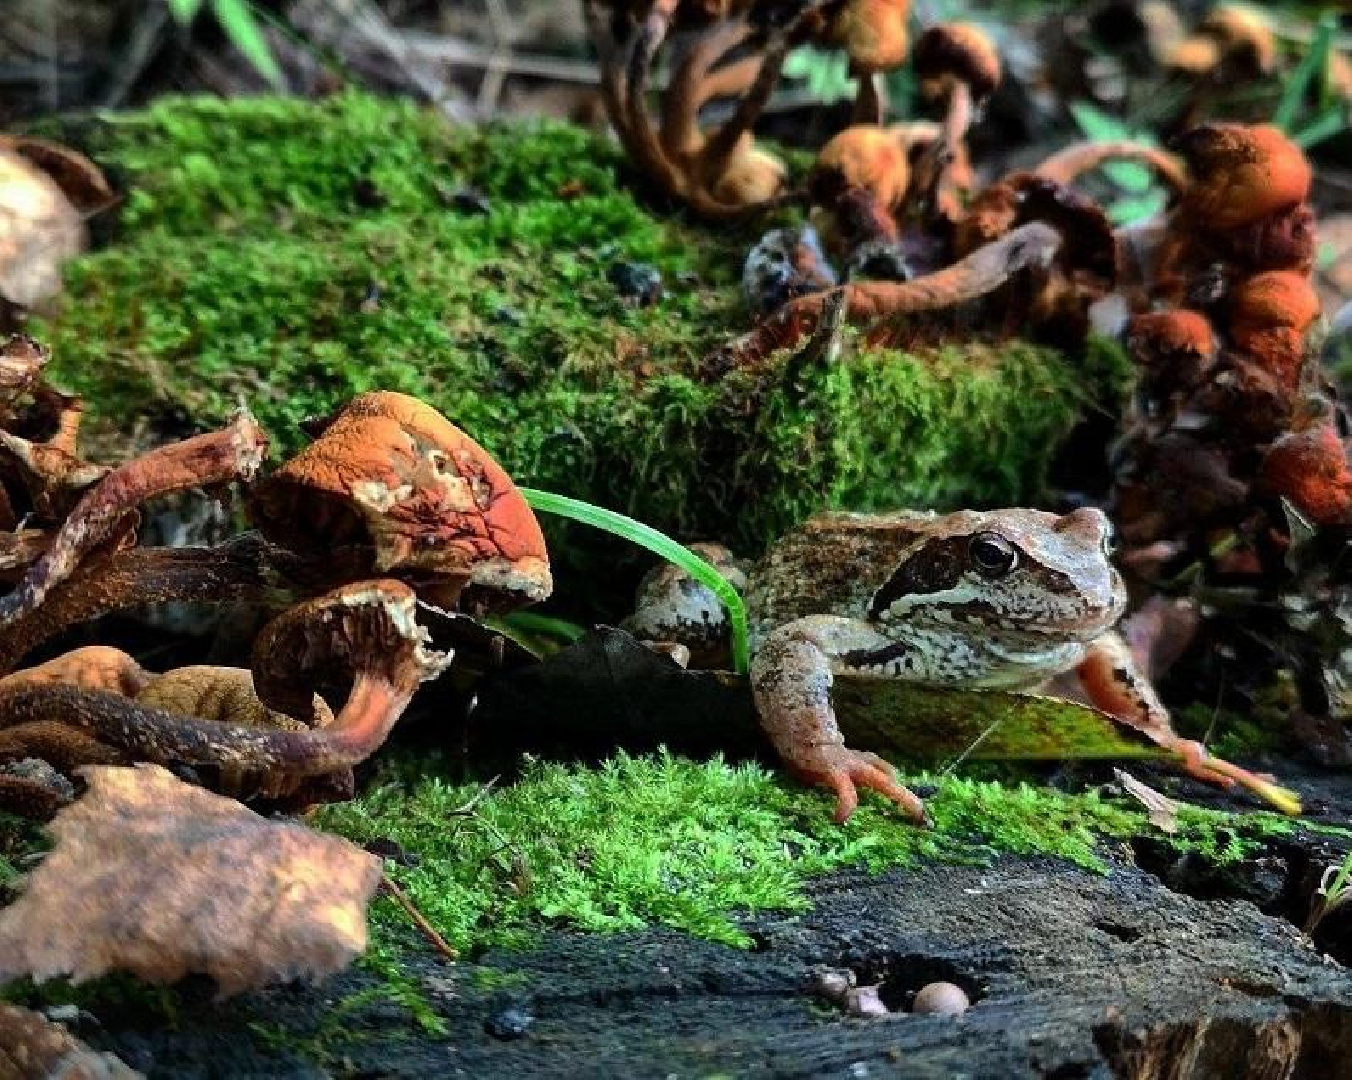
791	677
1116	685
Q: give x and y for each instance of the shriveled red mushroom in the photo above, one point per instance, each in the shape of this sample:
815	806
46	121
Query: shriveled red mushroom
720	173
391	487
101	515
46	192
1310	468
1241	174
1034	245
94	667
1176	349
368	630
1233	40
1270	316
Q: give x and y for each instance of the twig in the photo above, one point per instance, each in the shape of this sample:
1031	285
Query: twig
418	918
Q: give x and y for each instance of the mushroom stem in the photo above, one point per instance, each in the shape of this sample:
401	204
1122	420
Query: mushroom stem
869	105
724	141
235	452
693	85
247	568
980	273
370	626
1067	165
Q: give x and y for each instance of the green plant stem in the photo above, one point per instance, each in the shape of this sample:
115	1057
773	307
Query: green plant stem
661	544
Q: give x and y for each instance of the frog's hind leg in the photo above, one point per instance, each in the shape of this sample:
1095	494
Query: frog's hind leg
1116	685
674	609
791	678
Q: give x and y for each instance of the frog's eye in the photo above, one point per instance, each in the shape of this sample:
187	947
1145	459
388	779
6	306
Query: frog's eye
992	555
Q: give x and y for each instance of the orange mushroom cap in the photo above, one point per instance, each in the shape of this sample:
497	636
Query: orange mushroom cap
1159	335
1310	469
392	487
1270	316
93	667
958	50
751	176
1243	32
863	156
1241	174
872	33
1277	298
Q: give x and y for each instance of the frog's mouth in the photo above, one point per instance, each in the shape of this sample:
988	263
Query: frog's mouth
1080	627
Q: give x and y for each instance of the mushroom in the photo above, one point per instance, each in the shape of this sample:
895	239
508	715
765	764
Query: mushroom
956	61
367	629
94	667
41	473
1176	349
101	514
1241	175
1033	245
721	173
873	35
940	999
858	180
1233	40
1270	316
1310	468
390	487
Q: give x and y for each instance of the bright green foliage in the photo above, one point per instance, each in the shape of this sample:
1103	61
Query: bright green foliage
290	254
690	845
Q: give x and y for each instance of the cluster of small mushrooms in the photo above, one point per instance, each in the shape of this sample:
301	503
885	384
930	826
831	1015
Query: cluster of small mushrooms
896	205
1232	414
1233	424
389	508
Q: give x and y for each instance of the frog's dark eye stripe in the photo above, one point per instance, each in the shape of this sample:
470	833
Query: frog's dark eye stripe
935	567
992	555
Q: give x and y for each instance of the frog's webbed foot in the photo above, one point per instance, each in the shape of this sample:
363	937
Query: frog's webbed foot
1116	685
791	681
844	771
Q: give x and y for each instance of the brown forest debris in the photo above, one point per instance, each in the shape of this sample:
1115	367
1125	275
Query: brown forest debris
162	879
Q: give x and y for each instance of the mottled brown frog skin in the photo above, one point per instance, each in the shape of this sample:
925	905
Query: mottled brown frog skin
1001	598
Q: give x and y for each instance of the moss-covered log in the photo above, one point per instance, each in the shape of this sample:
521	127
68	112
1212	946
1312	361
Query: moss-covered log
292	254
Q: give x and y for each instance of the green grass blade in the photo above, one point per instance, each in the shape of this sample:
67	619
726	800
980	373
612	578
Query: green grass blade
241	26
1326	125
659	543
184	10
1313	64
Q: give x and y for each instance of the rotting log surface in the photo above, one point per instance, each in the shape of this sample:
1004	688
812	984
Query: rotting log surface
1074	975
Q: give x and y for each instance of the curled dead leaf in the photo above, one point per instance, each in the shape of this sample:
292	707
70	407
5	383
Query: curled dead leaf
33	1047
162	879
39	230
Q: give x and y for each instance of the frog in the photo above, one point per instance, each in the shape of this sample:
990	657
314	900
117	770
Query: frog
1006	599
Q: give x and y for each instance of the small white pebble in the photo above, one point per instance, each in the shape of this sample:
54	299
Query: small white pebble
940	999
864	1001
833	984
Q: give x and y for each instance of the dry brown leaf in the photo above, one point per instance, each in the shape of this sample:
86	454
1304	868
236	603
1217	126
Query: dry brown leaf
157	877
34	1048
39	230
1162	810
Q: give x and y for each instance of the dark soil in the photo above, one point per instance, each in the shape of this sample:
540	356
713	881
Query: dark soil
1072	975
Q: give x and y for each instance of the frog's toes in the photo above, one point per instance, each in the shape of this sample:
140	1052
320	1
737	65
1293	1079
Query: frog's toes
845	770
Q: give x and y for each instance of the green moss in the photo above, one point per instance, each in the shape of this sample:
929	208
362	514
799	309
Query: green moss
691	845
290	254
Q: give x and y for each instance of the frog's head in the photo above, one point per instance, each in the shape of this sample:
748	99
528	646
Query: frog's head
1027	578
